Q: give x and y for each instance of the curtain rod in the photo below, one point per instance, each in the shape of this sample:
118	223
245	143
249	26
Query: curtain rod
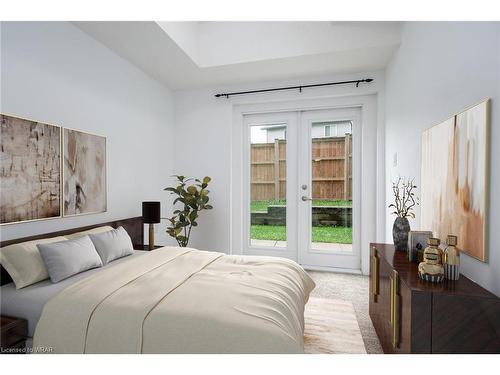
357	82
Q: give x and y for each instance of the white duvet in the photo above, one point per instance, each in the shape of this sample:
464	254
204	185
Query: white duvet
181	300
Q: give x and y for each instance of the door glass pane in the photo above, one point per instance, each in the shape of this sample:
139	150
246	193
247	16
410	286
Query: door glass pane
331	208
268	185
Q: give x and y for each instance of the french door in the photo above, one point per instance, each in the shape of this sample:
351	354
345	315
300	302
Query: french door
301	187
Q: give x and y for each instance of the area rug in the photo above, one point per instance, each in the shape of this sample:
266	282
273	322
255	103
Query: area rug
331	327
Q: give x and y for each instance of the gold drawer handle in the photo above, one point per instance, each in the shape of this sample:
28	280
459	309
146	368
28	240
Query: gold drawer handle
394	312
374	274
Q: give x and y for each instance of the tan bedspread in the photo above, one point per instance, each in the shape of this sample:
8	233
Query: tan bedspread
181	300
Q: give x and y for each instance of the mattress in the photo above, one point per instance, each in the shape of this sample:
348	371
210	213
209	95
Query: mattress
28	302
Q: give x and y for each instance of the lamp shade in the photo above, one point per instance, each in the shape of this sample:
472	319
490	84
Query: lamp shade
151	212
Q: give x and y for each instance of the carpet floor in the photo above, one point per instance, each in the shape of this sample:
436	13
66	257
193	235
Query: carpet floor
354	289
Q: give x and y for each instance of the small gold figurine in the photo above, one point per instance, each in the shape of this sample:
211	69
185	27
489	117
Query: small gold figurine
431	269
451	260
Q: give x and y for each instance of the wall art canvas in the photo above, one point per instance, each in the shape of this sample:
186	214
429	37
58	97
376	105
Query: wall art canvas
30	170
84	173
455	179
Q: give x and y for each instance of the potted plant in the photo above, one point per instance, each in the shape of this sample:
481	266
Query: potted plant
194	198
404	203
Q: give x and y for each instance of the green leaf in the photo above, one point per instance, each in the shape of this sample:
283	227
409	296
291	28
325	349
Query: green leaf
179	200
208	207
192	216
206	180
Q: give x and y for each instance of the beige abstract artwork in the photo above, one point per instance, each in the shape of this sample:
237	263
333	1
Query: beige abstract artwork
454	179
30	167
84	173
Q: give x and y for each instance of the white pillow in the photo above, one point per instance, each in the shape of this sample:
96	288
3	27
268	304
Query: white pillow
74	236
23	261
67	258
113	244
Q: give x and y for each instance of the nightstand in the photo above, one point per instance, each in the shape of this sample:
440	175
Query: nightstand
13	334
145	247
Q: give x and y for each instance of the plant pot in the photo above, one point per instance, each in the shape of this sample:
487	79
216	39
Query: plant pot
400	231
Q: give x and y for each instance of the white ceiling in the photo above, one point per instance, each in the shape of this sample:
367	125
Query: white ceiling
196	54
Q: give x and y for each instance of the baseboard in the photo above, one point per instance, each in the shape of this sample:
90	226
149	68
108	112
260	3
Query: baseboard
332	269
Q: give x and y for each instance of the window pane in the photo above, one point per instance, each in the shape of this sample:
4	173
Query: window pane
332	188
268	185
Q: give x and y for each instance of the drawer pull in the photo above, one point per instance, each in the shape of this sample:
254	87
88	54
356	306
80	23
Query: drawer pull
374	274
394	308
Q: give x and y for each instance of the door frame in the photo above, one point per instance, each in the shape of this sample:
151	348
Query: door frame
368	106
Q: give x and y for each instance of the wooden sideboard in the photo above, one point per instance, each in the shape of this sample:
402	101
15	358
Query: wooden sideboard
415	316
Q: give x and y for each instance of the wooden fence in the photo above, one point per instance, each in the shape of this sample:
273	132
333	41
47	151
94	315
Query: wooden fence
331	169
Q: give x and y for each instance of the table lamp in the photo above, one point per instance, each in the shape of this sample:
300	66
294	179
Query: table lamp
151	216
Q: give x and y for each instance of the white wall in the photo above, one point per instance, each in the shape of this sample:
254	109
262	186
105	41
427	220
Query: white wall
440	69
54	72
203	128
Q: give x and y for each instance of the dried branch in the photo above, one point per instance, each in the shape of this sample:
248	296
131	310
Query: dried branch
404	197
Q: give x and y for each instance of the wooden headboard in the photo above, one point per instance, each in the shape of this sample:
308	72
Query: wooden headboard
134	227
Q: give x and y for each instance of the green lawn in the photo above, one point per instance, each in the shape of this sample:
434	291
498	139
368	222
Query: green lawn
319	234
261	206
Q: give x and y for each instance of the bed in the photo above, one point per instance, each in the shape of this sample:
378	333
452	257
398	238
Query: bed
170	300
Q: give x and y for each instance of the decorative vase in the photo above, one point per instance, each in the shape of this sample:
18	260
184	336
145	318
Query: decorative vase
451	260
431	269
400	231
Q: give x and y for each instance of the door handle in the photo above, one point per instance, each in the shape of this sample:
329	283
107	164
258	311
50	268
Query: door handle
305	199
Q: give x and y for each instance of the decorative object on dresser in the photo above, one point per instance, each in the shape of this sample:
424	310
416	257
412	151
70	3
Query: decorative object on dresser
30	178
404	202
13	333
151	215
455	159
451	261
414	316
84	173
431	269
417	241
194	199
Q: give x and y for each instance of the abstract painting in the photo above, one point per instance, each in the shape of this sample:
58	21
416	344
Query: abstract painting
84	173
454	179
30	170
